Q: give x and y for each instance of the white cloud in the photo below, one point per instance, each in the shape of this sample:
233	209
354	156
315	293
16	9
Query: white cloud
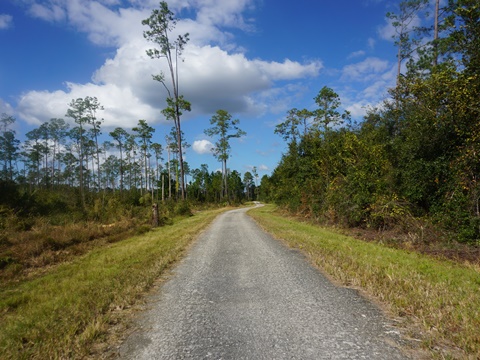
5	107
48	12
217	79
356	54
6	21
210	78
104	25
107	23
224	13
389	32
36	107
357	110
213	75
288	70
202	146
364	70
261	167
377	81
205	34
371	43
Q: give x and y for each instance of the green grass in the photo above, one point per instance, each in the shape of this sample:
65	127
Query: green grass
440	298
62	313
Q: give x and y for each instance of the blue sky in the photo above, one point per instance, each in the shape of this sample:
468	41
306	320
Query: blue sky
254	58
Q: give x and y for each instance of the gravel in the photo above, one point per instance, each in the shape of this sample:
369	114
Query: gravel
240	294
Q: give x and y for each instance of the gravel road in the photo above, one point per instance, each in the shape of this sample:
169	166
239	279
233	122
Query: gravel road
240	294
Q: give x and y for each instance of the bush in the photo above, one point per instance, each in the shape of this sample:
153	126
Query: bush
387	212
457	216
182	208
6	260
9	195
142	229
50	202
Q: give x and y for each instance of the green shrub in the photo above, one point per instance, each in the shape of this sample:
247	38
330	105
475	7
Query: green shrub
142	229
6	260
182	208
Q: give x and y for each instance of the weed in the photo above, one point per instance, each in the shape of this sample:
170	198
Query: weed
61	313
142	229
182	208
6	260
439	296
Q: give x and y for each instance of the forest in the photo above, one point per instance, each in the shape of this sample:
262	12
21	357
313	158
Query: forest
412	164
64	191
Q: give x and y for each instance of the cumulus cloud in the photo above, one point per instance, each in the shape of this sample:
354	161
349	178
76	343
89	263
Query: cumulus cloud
288	70
213	75
372	78
217	79
107	23
102	24
261	167
224	13
371	43
48	12
6	21
356	54
5	107
379	86
364	70
36	107
210	78
357	110
389	32
202	146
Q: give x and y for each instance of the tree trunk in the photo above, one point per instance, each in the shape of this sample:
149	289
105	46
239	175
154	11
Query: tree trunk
163	188
435	34
169	176
155	219
180	155
225	179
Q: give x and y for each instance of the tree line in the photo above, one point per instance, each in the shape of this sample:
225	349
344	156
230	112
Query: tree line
55	155
412	160
63	154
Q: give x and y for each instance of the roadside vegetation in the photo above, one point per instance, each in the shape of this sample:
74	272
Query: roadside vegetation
87	221
62	311
68	187
90	216
434	300
404	181
411	165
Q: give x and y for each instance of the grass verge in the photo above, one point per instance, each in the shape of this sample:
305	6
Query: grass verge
441	298
63	312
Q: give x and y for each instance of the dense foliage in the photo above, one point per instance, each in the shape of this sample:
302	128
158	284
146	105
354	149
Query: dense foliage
414	157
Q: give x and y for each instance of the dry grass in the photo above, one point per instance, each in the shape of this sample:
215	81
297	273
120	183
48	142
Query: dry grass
439	297
23	252
66	310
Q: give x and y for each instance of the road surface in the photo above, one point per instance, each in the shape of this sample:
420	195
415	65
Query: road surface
240	294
